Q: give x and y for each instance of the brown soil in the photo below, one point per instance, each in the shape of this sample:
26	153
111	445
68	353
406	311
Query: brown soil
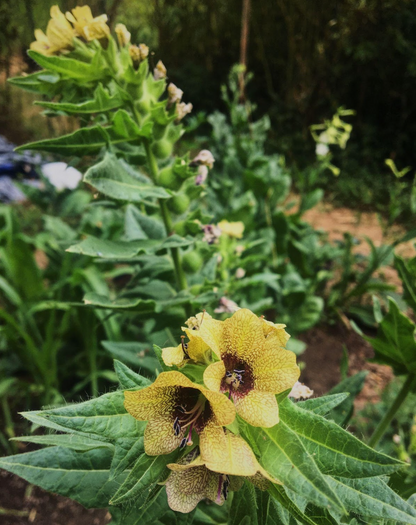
24	504
323	358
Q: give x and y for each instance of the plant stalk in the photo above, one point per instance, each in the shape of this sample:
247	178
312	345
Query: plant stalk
167	221
385	422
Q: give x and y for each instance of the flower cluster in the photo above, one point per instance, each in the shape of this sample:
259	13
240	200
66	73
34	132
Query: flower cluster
63	28
244	364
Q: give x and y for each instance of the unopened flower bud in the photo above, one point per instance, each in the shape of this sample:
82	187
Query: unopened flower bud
182	110
240	273
159	71
226	306
202	175
204	157
123	35
397	439
139	53
174	94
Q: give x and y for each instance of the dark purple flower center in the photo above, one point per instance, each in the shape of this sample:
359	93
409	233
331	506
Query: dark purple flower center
238	379
192	412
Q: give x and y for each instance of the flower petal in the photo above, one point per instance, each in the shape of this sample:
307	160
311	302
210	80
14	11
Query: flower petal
159	437
275	370
186	489
222	407
229	455
211	332
243	336
197	349
259	409
213	375
173	356
150	402
276	329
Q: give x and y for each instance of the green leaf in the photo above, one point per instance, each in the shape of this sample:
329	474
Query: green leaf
283	454
144	475
128	353
323	405
111	178
128	378
286	508
409	281
335	451
352	385
69	67
127	451
307	314
148	226
95	247
87	141
102	101
175	241
82	476
395	344
104	416
158	352
38	83
244	506
72	441
373	498
136	305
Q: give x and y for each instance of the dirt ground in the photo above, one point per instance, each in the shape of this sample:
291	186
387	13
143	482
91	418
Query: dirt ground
21	504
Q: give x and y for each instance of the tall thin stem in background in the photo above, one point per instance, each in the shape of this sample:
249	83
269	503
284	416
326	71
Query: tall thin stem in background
245	26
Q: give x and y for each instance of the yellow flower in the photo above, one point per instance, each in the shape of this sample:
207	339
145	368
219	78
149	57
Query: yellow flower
59	34
232	229
86	25
196	349
159	71
195	477
175	407
189	483
139	53
254	365
123	35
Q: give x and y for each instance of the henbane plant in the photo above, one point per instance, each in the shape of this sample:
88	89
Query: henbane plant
218	422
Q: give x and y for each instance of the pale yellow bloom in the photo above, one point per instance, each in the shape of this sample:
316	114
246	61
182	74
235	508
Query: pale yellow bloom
174	407
123	35
182	110
138	53
232	229
174	94
204	157
159	71
86	25
254	365
59	34
195	349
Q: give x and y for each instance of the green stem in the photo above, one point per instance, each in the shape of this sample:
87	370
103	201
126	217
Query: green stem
167	220
385	422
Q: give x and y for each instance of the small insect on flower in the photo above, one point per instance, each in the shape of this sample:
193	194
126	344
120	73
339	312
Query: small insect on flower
174	407
254	364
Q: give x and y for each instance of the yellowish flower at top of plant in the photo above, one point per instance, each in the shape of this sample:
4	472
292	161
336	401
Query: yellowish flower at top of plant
174	94
204	158
232	229
254	364
174	407
182	110
195	349
59	34
86	25
139	53
159	71
300	391
123	35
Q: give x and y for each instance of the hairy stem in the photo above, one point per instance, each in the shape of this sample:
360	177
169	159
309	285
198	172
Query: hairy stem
385	422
